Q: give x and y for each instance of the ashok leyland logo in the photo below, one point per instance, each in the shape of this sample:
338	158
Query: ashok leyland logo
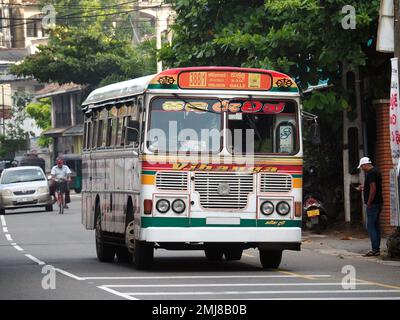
224	189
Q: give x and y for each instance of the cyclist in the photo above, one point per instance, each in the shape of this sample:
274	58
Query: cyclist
61	174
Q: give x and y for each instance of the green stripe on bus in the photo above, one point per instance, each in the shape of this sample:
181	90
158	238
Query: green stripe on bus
201	222
279	89
149	172
297	176
160	86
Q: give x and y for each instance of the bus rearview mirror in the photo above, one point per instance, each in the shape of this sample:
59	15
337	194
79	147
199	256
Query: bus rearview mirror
132	131
315	134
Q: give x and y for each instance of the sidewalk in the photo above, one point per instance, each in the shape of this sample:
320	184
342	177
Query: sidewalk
342	243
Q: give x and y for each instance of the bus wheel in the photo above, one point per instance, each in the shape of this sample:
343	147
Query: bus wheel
233	254
123	255
213	252
142	251
270	259
105	252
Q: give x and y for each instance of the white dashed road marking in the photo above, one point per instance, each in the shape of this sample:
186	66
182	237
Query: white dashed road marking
34	259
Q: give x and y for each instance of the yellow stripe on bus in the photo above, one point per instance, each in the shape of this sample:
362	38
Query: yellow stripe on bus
297	183
148	179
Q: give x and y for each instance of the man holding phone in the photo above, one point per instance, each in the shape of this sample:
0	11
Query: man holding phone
373	200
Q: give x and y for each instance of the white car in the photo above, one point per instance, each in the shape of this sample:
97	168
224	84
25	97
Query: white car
24	187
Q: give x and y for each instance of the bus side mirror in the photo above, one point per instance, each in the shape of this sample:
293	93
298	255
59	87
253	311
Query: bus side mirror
132	131
315	134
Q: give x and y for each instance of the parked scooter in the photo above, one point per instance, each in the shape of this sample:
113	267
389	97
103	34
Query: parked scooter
314	213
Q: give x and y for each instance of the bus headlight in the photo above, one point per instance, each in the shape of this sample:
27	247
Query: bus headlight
162	206
178	206
267	208
283	208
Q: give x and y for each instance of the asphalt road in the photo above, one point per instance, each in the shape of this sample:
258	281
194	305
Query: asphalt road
44	255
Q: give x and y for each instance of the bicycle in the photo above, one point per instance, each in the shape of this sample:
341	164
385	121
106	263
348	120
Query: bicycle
60	192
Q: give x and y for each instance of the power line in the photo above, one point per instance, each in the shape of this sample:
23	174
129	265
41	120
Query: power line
82	18
22	5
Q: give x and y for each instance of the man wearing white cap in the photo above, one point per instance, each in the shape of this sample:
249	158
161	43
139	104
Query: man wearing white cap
373	200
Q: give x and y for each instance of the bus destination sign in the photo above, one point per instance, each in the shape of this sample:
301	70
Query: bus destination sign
225	80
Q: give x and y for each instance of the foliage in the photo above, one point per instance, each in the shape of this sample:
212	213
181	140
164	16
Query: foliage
14	128
9	147
40	111
303	38
74	55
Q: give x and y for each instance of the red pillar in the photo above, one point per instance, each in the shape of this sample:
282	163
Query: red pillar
383	159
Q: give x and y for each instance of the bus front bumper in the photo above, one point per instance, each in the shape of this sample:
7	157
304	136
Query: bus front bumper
269	235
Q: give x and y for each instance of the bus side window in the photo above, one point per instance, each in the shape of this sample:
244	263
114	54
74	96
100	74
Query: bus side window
119	131
89	135
122	141
94	134
114	127
127	143
85	135
109	131
99	133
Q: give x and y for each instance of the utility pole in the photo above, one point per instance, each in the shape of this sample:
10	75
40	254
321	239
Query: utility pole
396	38
4	117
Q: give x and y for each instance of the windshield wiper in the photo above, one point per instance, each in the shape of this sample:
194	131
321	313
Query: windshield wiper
194	107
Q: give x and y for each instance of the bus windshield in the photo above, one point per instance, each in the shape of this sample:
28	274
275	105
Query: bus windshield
181	125
262	127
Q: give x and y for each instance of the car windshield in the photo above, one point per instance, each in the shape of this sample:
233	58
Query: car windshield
262	126
23	175
184	125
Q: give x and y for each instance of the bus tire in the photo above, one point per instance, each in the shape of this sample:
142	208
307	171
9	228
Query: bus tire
143	255
270	259
2	211
49	208
233	254
213	252
123	255
105	251
77	190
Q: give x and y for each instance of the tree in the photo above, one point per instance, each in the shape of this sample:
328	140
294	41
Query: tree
304	38
75	55
40	111
14	127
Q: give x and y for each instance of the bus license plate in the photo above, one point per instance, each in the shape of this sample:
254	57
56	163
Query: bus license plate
22	200
313	213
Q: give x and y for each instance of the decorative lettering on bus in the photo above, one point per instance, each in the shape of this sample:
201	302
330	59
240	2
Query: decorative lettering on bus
225	80
245	106
213	167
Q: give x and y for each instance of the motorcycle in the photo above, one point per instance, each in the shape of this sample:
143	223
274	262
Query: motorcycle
314	214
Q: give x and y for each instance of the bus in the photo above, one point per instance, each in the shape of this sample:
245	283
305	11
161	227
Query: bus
197	158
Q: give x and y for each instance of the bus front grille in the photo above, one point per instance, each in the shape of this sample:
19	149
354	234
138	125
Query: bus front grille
223	190
172	180
271	182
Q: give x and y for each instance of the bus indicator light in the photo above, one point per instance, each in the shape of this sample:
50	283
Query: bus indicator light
148	206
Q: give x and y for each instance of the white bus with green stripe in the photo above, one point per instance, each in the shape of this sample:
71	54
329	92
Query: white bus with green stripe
205	158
